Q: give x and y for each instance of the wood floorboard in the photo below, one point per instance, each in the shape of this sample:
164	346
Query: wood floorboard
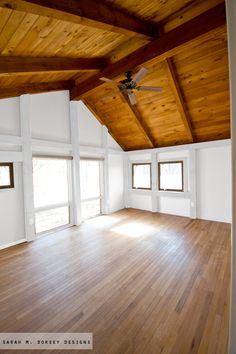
143	283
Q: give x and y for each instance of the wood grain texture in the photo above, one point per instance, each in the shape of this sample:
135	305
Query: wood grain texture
141	282
101	121
120	121
165	46
179	98
11	64
202	75
36	88
23	79
49	37
88	12
192	32
139	120
171	13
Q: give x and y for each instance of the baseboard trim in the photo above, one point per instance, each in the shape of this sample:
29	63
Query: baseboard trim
7	245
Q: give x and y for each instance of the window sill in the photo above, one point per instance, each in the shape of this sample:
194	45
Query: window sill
161	193
142	191
174	194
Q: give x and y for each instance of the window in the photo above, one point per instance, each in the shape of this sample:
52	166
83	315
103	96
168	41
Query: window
170	176
90	208
51	193
141	176
6	175
90	183
51	219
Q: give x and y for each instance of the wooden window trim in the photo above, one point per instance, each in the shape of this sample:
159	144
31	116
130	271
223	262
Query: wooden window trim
138	164
11	171
159	176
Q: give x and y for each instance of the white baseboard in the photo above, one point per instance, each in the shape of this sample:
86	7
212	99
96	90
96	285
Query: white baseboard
12	243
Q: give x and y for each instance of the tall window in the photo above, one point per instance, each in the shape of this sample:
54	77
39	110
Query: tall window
141	176
171	176
90	183
6	175
51	193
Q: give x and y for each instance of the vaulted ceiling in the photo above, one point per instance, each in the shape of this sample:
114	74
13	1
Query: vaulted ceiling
57	45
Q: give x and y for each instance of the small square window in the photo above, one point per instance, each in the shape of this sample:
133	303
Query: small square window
170	176
141	176
6	175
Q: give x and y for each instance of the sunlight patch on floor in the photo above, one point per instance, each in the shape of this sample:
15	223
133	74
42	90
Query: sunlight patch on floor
103	221
134	229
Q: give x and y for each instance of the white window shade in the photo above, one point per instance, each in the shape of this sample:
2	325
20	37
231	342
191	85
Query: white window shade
50	182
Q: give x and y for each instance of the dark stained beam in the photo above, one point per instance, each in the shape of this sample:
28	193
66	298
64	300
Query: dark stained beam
101	121
165	46
170	70
92	13
139	120
10	64
35	88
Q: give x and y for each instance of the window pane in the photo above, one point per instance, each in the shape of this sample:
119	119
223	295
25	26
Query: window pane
142	176
170	175
50	219
50	181
5	179
90	180
90	208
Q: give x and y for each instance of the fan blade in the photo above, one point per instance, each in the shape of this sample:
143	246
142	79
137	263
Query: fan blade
149	88
140	75
132	98
109	80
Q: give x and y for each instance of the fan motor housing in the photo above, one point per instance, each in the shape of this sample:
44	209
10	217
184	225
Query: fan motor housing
128	83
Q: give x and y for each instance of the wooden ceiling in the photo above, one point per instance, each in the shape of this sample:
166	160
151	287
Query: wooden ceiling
57	45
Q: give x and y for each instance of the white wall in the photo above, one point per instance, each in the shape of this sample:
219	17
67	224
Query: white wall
12	212
90	130
10	116
47	120
116	183
172	202
93	134
137	199
140	200
167	202
50	129
112	143
50	116
214	183
212	170
174	205
11	200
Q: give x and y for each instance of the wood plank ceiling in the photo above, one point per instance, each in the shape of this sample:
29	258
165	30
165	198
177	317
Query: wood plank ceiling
57	45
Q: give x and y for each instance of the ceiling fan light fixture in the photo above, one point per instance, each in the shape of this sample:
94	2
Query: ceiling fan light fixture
130	83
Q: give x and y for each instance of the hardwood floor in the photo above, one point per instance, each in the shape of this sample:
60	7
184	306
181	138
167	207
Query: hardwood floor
141	282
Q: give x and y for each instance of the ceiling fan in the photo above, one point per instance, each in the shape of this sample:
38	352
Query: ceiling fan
130	84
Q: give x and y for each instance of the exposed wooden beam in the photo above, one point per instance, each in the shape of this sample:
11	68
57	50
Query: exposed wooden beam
179	99
10	64
35	88
93	13
165	46
101	121
179	16
139	120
